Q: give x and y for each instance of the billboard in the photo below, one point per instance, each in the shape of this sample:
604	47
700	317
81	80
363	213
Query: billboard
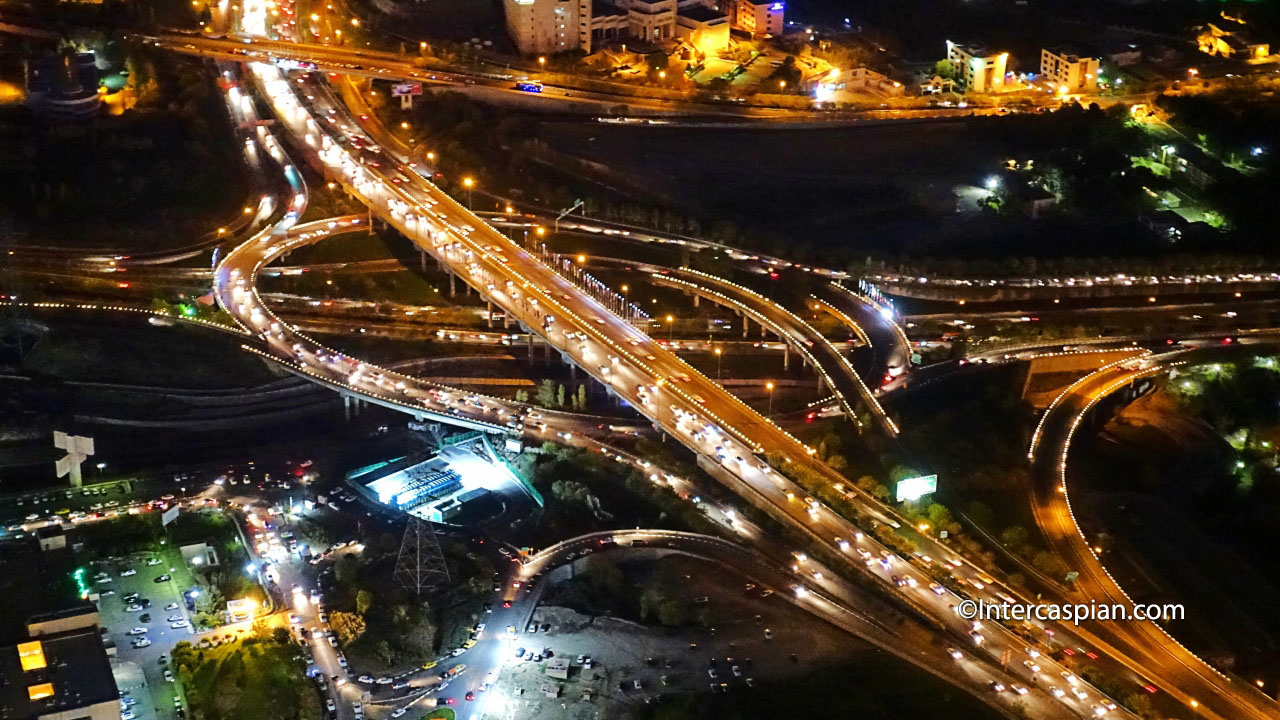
404	89
915	488
169	515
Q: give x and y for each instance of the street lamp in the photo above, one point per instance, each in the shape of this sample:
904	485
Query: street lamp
719	353
782	84
671	323
431	156
542	62
101	465
769	386
469	184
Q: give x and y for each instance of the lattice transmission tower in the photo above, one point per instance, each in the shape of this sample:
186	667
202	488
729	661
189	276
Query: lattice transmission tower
421	567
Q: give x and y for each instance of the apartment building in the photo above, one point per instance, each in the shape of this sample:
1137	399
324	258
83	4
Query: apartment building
1068	72
540	27
978	69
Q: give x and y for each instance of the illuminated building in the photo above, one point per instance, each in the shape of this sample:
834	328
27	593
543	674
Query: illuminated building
552	26
1065	69
758	17
61	671
978	70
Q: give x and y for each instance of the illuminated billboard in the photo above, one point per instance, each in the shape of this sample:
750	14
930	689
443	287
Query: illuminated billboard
915	488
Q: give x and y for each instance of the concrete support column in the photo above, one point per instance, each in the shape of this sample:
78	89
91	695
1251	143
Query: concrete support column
488	306
696	299
786	356
746	324
453	285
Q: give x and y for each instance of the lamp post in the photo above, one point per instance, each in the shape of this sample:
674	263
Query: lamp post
470	185
671	323
719	353
769	386
626	308
101	465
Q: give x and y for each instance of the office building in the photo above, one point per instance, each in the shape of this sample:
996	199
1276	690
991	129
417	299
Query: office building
978	70
758	17
1067	72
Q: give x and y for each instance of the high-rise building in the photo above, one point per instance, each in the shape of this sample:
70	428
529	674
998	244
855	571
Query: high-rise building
978	69
543	26
1068	72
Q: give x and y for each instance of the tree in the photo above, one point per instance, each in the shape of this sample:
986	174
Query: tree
582	397
945	69
1014	536
673	613
348	626
560	396
546	395
364	599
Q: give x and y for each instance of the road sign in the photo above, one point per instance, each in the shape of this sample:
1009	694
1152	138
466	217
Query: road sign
916	487
404	89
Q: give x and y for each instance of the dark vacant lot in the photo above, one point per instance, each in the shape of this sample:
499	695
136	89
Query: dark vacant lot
838	194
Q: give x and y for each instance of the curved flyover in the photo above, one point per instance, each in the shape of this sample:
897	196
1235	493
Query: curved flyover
1147	648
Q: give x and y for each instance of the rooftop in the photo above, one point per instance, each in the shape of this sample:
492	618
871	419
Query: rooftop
703	14
55	674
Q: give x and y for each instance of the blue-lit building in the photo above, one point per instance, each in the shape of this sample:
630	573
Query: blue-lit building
434	488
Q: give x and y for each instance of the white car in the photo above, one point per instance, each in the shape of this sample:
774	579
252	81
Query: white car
127	715
141	643
400	712
333	641
179	624
384	680
357	708
168	675
176	618
138	631
129	573
1056	691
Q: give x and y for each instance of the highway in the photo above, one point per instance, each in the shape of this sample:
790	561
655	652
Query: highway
834	369
619	356
1147	645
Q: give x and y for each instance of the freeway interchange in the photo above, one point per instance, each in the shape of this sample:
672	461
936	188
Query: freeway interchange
725	432
729	437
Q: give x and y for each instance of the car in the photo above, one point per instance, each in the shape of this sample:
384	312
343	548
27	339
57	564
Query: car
138	631
106	593
470	696
342	661
144	617
152	562
399	712
357	709
366	679
162	578
333	641
737	671
954	653
1018	689
322	617
711	673
168	675
1056	691
176	617
996	685
1071	679
331	706
768	634
127	715
1031	665
578	660
133	607
171	606
1080	694
295	619
129	573
140	643
384	680
179	624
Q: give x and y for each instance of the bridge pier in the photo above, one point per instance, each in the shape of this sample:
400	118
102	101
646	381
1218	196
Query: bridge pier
422	257
453	285
488	306
696	299
746	324
786	356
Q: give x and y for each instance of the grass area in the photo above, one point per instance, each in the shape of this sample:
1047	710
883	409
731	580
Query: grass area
261	677
440	714
135	353
872	686
655	593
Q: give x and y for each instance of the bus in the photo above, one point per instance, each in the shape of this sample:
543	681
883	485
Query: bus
529	86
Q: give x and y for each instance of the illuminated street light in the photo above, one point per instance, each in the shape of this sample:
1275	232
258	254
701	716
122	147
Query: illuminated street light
470	185
542	61
355	22
719	354
671	323
431	156
540	231
404	125
769	386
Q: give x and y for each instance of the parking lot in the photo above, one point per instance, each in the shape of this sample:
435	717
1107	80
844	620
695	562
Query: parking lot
667	661
122	614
